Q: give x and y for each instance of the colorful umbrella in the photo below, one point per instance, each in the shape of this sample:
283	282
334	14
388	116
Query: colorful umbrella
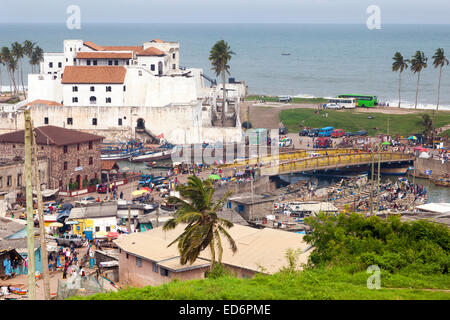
412	138
386	143
214	177
112	234
138	192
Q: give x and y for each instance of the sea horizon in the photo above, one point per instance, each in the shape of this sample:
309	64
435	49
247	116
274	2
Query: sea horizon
326	59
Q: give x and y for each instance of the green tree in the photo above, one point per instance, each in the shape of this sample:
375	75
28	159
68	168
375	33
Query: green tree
11	66
18	52
418	63
400	65
37	57
440	60
428	125
220	56
203	227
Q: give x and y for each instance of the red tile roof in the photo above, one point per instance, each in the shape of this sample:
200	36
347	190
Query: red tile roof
52	135
46	102
152	51
108	165
94	74
93	46
104	55
139	50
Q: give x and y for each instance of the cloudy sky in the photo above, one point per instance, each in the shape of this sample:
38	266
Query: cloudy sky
228	11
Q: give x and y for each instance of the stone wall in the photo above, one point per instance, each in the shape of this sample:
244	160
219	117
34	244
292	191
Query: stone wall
435	165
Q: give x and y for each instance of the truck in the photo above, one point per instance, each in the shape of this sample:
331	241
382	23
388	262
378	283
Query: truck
70	240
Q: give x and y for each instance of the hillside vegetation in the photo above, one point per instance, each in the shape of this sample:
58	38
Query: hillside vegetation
413	258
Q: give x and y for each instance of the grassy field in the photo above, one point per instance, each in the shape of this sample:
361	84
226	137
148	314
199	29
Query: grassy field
294	100
351	120
319	284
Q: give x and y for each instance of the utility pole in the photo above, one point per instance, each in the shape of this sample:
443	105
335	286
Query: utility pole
157	216
371	185
129	218
378	178
29	200
37	184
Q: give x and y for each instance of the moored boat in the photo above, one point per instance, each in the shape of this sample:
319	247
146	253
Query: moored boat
442	181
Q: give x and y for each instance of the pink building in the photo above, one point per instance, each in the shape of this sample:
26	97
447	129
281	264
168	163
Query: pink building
145	259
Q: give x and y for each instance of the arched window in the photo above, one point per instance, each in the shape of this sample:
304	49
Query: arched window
93	100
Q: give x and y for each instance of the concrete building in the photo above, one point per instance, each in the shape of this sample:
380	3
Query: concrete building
12	174
72	156
252	206
112	90
146	259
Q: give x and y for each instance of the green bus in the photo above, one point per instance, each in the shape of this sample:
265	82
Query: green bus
362	101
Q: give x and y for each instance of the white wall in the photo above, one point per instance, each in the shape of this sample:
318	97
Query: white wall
44	87
84	93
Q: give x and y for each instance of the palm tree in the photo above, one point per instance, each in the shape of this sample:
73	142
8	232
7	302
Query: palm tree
219	56
28	48
8	61
19	52
399	64
440	60
418	63
37	57
204	228
428	124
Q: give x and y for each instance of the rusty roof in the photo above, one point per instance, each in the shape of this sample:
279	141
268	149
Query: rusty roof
152	51
94	74
46	102
108	165
52	135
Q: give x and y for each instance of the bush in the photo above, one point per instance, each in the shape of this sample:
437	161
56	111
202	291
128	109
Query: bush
218	271
419	246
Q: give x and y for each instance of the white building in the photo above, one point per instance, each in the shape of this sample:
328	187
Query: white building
122	87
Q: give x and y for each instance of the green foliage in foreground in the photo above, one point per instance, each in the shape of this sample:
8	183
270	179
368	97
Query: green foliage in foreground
317	284
413	258
419	247
294	100
354	120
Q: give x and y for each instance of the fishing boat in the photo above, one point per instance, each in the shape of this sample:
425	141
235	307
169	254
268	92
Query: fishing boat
393	171
120	150
162	152
442	181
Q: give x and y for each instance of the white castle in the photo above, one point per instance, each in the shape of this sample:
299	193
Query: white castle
123	92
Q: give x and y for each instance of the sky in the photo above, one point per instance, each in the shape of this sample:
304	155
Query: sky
227	11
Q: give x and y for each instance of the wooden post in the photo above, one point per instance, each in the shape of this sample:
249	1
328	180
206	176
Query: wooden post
37	184
157	216
129	218
378	177
29	201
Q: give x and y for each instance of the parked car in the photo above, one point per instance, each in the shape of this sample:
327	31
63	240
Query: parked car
48	204
361	133
349	134
282	130
303	133
336	133
102	188
333	106
284	98
313	132
71	240
85	200
323	142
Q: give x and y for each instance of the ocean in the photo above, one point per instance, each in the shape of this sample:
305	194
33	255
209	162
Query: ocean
325	60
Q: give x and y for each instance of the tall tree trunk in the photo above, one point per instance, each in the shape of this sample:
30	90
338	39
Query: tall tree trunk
417	90
399	86
213	254
21	79
224	99
439	88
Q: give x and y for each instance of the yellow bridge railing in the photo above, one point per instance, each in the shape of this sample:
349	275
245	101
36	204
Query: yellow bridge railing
330	161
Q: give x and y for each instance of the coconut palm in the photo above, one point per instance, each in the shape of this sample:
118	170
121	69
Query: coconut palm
220	56
418	63
204	228
18	52
399	64
37	57
440	60
8	61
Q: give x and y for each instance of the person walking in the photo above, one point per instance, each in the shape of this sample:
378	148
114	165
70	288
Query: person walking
66	266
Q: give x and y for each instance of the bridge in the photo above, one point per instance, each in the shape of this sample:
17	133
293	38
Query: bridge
303	160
